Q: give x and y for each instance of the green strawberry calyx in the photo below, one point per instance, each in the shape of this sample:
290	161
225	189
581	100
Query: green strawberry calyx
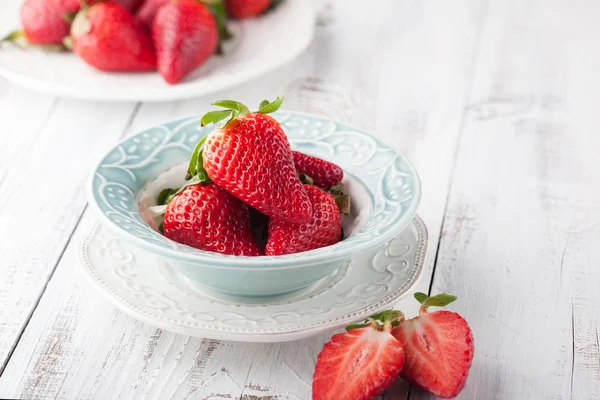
18	38
383	321
217	9
341	198
196	174
439	300
392	318
234	109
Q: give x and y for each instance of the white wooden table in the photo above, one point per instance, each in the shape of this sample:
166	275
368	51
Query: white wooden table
498	105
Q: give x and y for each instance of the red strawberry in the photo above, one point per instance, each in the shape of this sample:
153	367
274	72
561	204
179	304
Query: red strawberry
324	228
325	174
106	37
146	13
130	5
246	8
44	22
185	34
359	364
250	157
438	347
208	218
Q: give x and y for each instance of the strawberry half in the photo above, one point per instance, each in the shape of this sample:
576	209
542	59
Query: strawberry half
106	36
361	363
324	228
324	174
251	158
208	218
438	347
185	34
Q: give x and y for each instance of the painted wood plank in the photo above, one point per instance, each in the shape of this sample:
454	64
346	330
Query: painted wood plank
48	147
519	245
77	346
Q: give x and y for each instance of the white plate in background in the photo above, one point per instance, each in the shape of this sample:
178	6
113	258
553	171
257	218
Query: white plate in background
259	46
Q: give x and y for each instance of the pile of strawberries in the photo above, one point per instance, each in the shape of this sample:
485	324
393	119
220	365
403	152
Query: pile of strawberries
171	36
248	194
433	351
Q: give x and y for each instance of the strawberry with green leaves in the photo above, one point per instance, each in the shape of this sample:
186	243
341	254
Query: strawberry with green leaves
361	363
323	229
250	157
438	347
106	37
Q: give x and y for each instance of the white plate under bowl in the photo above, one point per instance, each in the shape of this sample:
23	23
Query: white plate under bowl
149	289
259	46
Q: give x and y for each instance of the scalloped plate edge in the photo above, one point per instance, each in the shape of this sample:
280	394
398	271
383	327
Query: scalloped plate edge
240	336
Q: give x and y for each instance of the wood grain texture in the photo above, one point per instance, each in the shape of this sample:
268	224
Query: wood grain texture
405	79
519	245
45	162
514	83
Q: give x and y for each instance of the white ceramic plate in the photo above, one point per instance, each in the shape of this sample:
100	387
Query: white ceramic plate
149	289
259	46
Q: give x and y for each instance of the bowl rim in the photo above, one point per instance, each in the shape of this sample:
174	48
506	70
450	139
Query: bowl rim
304	259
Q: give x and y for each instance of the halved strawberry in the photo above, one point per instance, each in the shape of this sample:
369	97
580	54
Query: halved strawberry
361	363
438	346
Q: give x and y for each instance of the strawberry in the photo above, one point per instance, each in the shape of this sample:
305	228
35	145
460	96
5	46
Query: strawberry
438	347
324	228
324	174
130	5
208	218
246	8
106	37
147	11
359	364
185	34
44	22
251	158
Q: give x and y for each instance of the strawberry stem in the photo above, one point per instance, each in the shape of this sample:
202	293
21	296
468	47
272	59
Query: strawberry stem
17	38
341	199
439	300
305	179
233	109
217	9
383	321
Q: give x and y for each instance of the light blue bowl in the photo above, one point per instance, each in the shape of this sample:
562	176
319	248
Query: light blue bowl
384	186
